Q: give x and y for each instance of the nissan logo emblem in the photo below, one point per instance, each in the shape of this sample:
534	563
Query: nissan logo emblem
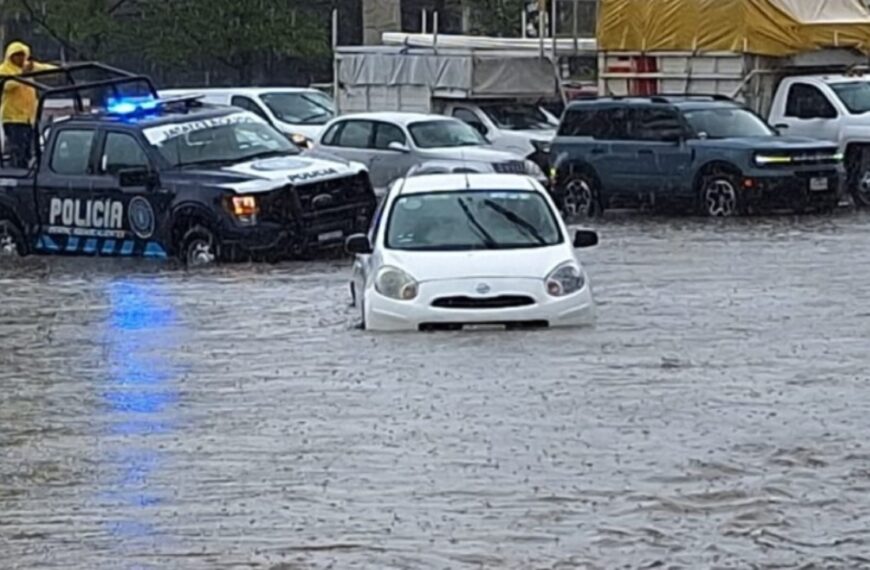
483	289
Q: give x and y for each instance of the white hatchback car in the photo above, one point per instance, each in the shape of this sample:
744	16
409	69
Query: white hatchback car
458	250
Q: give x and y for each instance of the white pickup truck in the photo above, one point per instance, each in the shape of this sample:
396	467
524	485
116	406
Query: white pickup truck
835	108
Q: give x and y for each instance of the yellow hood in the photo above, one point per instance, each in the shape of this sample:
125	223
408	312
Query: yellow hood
12	49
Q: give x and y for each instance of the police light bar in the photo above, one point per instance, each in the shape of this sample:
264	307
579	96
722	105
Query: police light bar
131	105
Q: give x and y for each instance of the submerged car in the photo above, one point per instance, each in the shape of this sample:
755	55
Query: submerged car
458	250
389	144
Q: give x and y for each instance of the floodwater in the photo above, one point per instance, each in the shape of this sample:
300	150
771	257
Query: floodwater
716	417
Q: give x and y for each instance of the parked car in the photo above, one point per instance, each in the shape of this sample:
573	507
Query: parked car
456	250
299	113
701	153
391	143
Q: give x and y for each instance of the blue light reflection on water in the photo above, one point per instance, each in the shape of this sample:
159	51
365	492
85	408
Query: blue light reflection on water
140	395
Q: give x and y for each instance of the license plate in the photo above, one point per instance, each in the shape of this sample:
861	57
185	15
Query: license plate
330	236
818	184
485	327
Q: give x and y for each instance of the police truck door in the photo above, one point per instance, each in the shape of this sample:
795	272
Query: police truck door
83	208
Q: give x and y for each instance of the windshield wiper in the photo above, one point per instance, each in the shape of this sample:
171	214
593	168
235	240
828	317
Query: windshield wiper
485	235
266	154
518	221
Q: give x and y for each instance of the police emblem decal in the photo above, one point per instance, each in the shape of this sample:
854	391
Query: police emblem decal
141	217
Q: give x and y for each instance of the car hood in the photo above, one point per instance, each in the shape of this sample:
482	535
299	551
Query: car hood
533	263
473	153
769	143
267	174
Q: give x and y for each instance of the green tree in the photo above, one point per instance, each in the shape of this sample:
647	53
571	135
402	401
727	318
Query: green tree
240	35
501	18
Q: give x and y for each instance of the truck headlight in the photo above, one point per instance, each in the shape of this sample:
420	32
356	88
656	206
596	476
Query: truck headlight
394	283
767	159
245	209
534	170
542	146
566	279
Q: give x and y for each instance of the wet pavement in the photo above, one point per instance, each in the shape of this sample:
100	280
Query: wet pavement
716	417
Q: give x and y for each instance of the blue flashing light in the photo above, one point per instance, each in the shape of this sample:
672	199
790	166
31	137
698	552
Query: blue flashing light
131	105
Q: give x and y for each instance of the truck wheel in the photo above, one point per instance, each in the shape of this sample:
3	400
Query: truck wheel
580	198
859	178
11	239
199	247
719	195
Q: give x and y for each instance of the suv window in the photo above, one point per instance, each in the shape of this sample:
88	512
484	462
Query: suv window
355	134
248	104
609	123
385	133
579	123
807	102
122	151
72	152
655	124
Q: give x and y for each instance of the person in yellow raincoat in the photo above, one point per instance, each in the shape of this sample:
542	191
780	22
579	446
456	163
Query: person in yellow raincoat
18	104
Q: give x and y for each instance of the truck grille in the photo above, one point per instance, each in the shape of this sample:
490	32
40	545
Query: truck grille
809	157
331	194
510	167
501	302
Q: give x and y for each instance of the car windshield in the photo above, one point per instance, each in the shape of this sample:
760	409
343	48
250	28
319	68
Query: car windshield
229	139
727	122
517	116
309	108
855	95
444	134
471	220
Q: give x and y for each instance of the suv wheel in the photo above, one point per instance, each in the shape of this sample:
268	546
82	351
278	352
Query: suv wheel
580	197
859	179
11	239
199	247
720	196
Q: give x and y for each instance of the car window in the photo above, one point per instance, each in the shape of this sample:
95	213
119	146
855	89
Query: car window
655	124
355	134
579	123
807	102
72	152
122	151
329	137
612	123
376	221
248	104
466	116
386	133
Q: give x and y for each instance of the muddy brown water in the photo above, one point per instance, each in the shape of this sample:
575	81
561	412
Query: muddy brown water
716	417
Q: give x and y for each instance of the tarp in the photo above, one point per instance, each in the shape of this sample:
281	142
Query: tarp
763	27
483	74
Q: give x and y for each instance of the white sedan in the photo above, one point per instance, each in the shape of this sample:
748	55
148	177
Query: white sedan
464	250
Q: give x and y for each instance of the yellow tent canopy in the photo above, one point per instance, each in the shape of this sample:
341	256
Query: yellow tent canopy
762	27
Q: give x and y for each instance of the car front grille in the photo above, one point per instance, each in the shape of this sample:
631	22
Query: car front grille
331	194
500	302
510	167
809	157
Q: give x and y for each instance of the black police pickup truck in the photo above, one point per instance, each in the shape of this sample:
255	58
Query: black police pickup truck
140	176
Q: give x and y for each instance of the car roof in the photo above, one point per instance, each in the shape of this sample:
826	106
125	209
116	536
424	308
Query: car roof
240	90
830	78
398	118
465	182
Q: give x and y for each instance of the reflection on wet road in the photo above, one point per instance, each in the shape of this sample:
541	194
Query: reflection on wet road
235	418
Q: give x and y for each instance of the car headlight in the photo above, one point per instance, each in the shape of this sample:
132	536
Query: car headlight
766	159
301	140
542	146
245	209
394	283
534	170
566	279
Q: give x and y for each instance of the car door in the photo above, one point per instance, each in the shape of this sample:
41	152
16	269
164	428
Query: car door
809	113
84	210
662	157
612	152
351	139
388	164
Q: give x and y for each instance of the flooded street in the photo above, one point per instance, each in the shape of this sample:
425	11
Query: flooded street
235	418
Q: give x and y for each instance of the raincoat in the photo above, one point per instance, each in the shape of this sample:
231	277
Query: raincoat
19	101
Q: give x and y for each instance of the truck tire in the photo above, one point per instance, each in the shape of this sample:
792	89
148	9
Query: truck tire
719	194
580	197
12	241
198	247
858	166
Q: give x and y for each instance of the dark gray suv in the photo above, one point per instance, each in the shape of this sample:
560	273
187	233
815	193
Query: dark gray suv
705	154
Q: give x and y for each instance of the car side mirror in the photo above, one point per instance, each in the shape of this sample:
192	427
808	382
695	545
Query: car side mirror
398	147
138	177
585	238
358	244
